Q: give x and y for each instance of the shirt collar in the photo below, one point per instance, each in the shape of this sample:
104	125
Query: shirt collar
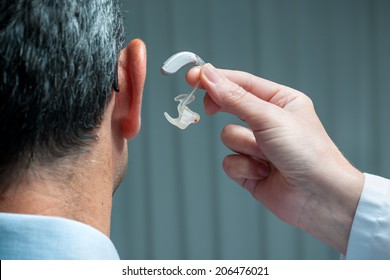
41	237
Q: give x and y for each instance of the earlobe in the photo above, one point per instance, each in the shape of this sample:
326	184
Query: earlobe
131	76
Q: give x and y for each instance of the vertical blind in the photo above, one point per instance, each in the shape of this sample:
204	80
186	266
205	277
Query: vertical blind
176	202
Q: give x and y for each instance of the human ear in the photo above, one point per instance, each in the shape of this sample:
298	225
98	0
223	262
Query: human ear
131	79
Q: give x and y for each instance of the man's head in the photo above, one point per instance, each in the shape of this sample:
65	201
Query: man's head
57	62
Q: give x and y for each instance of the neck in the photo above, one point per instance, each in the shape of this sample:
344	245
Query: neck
78	188
80	192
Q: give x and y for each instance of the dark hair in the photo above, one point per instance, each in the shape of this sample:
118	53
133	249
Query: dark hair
57	60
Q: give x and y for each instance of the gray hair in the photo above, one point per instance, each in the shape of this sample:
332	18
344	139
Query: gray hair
57	61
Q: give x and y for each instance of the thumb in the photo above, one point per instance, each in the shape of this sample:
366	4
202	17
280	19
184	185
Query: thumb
234	99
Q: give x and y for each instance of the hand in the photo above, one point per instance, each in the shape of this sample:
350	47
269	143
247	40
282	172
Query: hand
285	158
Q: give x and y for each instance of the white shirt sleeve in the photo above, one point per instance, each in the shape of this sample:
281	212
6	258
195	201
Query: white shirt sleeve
370	232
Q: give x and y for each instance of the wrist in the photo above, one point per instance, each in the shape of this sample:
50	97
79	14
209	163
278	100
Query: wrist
331	209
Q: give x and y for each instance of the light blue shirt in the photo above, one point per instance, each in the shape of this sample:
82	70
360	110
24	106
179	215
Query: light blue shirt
30	237
370	232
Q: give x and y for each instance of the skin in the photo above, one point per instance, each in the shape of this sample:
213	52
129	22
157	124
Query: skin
81	188
284	157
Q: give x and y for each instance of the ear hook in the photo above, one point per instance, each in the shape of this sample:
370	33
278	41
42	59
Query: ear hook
170	67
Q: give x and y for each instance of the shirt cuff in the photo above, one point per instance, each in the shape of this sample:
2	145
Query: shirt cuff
369	237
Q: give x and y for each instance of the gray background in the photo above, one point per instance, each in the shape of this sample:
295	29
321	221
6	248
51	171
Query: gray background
176	202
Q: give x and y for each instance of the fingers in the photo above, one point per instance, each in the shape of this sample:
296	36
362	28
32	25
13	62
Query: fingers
234	99
262	88
241	140
245	171
234	80
248	167
210	106
192	76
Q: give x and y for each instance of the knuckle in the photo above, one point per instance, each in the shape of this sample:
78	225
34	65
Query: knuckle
233	94
309	103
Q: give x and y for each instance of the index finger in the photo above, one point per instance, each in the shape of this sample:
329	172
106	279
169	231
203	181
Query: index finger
260	87
234	99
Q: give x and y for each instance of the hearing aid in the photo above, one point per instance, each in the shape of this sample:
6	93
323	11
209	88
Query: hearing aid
170	67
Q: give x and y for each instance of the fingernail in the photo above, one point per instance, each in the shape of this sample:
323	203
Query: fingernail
210	73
